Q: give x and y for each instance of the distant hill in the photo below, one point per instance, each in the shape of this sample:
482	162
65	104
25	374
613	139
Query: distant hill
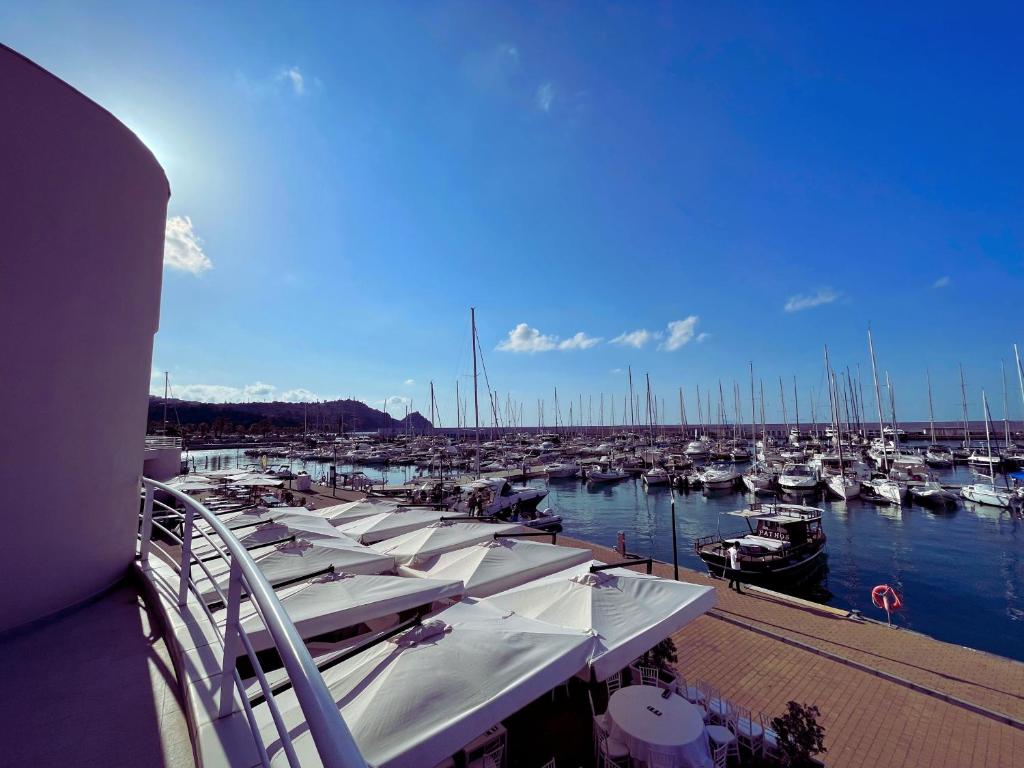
333	415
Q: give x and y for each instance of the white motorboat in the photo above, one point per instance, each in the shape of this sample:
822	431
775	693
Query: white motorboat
562	470
988	494
656	476
938	456
884	490
843	486
599	474
545	519
492	496
758	479
798	478
988	461
931	493
698	449
719	477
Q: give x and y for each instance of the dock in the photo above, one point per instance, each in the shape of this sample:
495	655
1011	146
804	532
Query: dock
888	697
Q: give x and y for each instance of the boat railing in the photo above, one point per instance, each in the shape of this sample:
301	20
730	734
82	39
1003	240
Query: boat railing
331	736
154	442
703	541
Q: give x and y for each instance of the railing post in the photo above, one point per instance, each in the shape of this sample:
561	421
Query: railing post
231	639
186	555
147	525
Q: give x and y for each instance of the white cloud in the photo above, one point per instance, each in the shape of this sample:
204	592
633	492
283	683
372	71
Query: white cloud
616	370
398	400
258	391
293	76
545	96
410	382
803	301
299	395
680	333
580	341
637	338
942	282
183	249
702	337
207	393
525	339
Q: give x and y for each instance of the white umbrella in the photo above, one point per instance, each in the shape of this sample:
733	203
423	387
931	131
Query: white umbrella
387	525
339	514
277	529
493	566
297	560
258	481
442	536
339	600
629	612
422	695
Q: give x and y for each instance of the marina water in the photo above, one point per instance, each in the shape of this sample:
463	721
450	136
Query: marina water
960	571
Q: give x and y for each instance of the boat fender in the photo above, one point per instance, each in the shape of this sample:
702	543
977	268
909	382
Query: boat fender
885	597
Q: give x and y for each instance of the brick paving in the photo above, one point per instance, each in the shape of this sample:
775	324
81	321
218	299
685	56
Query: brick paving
762	650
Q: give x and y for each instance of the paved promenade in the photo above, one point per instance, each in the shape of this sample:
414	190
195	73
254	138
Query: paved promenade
888	697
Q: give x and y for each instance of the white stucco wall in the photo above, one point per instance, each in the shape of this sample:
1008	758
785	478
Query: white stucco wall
82	211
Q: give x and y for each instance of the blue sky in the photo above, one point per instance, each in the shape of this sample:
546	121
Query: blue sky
735	182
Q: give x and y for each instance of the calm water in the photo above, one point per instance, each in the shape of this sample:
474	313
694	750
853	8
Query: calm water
961	572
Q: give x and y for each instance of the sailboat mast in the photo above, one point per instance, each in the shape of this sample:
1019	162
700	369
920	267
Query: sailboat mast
632	413
796	405
878	399
785	416
167	387
931	414
764	424
753	414
833	407
988	440
1006	415
963	402
476	394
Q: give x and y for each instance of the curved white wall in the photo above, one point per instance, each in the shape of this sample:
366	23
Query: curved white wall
82	211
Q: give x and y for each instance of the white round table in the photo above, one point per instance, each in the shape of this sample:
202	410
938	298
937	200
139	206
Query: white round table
640	718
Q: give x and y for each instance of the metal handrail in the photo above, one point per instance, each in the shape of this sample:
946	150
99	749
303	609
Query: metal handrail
333	740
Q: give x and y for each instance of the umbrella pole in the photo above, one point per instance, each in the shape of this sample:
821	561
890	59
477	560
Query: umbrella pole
675	548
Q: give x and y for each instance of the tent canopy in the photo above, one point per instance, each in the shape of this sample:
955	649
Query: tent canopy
296	560
442	536
386	525
492	566
339	514
628	612
340	600
422	695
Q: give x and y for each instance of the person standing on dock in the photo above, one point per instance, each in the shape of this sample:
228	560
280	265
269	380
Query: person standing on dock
733	561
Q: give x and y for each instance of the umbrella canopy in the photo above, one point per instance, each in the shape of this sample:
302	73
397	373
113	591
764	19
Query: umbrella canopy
492	566
339	514
257	481
297	560
628	612
254	515
422	695
192	484
339	600
386	525
443	536
278	528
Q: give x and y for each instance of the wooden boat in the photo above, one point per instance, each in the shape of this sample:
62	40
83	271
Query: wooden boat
784	541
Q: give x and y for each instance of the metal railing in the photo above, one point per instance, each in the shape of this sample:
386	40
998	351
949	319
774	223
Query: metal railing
333	740
162	441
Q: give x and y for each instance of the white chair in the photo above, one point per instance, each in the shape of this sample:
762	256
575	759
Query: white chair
613	683
649	676
609	750
749	729
769	738
692	693
494	757
720	755
718	707
550	764
723	737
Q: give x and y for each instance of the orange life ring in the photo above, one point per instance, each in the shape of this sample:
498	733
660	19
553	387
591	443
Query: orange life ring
884	596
